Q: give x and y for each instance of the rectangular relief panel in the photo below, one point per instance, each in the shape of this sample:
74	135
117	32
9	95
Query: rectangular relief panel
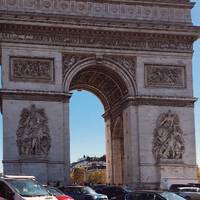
165	76
32	69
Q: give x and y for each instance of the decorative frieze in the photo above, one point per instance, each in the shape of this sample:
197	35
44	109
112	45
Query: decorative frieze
160	11
33	138
165	76
168	141
70	60
32	69
127	62
98	39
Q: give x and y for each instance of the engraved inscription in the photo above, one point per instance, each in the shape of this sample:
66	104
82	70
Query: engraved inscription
31	69
164	76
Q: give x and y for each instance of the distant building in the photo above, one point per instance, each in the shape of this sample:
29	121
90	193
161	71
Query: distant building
90	163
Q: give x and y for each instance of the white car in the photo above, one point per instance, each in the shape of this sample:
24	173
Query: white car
22	188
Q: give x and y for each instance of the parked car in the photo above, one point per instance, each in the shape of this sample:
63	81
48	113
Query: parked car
98	187
175	187
58	193
83	193
23	188
153	195
194	184
189	193
115	192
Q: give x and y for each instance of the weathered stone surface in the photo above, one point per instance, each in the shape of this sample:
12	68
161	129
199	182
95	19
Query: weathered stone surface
134	55
138	10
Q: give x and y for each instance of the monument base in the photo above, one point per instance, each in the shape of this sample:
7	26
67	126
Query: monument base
176	173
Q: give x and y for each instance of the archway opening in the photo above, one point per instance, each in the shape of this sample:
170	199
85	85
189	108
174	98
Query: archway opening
87	138
110	88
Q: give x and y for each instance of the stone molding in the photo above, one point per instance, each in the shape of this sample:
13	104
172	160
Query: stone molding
29	95
165	76
160	101
150	101
32	69
33	161
165	11
98	39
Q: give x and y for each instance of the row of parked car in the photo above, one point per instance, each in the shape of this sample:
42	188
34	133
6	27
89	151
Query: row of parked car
27	188
113	192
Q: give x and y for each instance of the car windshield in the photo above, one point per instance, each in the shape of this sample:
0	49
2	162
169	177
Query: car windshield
128	189
88	190
28	187
171	196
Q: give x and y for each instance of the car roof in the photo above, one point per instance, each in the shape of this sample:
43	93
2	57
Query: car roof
75	186
149	191
16	177
188	187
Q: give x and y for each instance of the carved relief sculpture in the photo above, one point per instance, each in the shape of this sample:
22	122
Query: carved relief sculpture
31	69
168	142
164	76
33	133
103	39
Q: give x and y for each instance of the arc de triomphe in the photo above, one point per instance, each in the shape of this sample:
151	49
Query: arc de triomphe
135	55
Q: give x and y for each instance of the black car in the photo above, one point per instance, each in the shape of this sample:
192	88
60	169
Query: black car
153	195
83	193
174	187
115	192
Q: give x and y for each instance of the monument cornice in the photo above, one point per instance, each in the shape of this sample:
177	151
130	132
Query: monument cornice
160	101
150	10
140	100
98	38
101	24
34	95
40	3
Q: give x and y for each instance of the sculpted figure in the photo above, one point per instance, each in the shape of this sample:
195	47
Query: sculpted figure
33	134
168	142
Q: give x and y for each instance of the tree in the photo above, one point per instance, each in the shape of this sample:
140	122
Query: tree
198	174
96	177
78	175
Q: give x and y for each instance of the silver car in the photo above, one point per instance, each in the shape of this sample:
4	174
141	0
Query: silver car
189	193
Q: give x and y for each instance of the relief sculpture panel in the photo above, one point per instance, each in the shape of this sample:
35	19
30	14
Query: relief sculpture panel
167	76
168	141
32	69
33	136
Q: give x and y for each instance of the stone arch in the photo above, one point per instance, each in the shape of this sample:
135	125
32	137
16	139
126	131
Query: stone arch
123	75
112	82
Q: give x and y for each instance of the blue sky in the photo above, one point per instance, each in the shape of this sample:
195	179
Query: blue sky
87	126
196	77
